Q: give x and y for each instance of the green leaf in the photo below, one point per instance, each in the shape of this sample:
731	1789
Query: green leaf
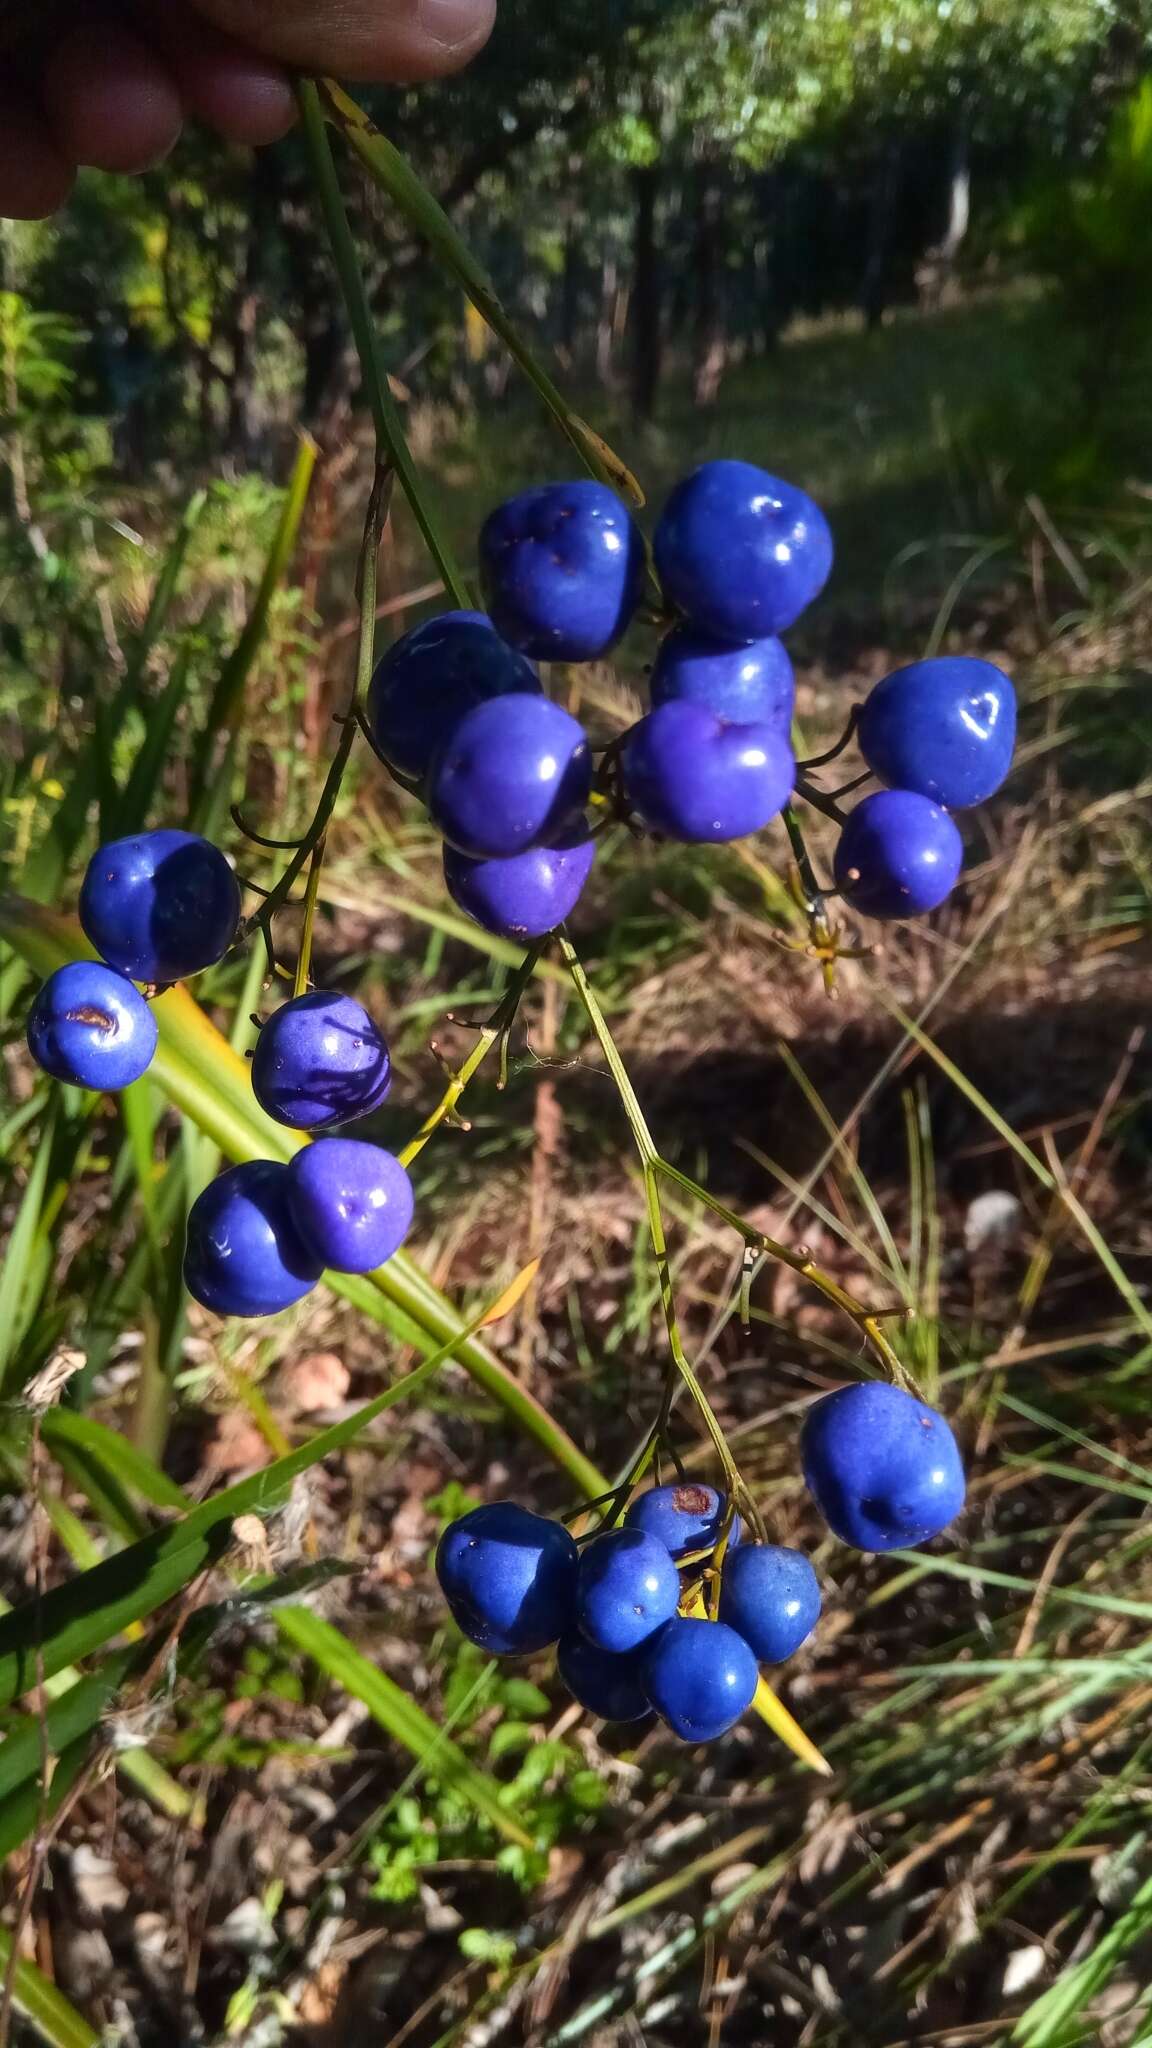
407	1723
18	1258
43	2006
108	1448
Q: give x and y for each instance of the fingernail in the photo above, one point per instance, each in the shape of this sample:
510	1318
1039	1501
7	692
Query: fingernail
455	23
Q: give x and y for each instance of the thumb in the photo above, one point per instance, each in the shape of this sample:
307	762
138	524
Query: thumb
382	41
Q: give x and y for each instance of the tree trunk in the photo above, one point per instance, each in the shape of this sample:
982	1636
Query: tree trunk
570	290
881	221
647	284
606	325
709	340
262	211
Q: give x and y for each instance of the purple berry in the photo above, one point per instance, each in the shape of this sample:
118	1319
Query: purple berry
628	1587
160	905
244	1256
683	1517
741	552
350	1202
883	1469
88	1025
320	1061
771	1597
691	777
612	1687
945	728
563	570
524	896
899	855
700	1677
751	685
426	682
514	773
509	1577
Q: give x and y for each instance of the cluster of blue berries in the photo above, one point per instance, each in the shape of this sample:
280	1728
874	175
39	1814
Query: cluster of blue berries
625	1608
457	712
161	906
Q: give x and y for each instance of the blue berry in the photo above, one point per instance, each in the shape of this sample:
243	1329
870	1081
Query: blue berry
515	772
244	1256
563	570
771	1597
612	1687
740	551
700	1677
160	905
899	855
509	1577
691	777
90	1026
526	895
426	682
883	1469
320	1061
684	1517
945	728
350	1202
752	685
628	1588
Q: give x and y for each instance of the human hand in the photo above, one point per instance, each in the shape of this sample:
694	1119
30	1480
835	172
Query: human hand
111	82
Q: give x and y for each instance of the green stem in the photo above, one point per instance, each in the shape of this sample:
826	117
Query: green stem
390	440
311	893
495	1032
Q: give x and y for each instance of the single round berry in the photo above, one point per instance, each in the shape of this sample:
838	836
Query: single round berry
628	1588
526	895
691	777
740	551
160	905
90	1026
509	1577
563	570
684	1517
883	1469
899	855
945	728
771	1597
752	685
514	773
426	682
350	1202
244	1255
320	1061
612	1687
700	1677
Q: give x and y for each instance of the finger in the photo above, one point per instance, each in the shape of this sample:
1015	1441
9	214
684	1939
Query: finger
381	40
110	100
35	178
244	96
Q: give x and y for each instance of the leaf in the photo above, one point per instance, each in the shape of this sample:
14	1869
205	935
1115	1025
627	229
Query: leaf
407	1723
119	1457
514	1292
43	2006
14	1273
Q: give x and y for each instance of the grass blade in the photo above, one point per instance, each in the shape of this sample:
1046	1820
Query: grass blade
43	2006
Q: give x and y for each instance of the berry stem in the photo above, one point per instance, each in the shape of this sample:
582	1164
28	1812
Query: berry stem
833	753
495	1032
312	891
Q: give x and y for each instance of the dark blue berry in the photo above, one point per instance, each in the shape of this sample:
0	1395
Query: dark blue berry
320	1061
244	1255
771	1597
160	905
700	1677
683	1517
691	777
426	682
526	895
509	1577
612	1687
882	1468
350	1202
90	1026
740	551
514	773
945	728
563	570
899	855
628	1588
752	685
